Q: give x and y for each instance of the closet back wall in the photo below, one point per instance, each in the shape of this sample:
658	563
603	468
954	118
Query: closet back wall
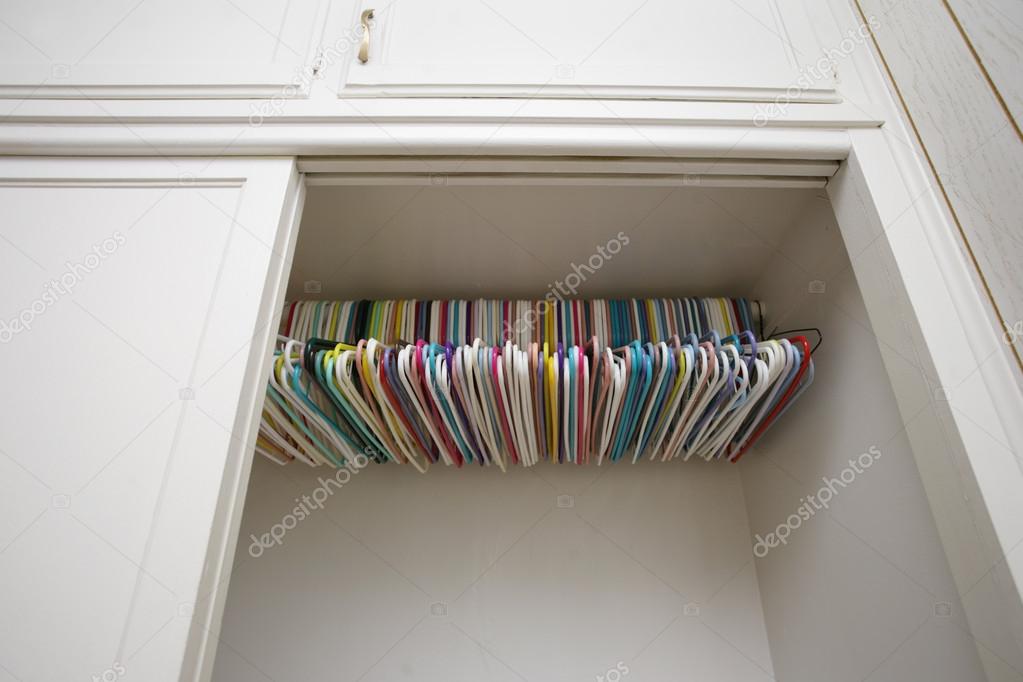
518	241
553	573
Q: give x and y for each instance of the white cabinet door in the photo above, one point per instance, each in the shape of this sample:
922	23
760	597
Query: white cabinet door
664	49
157	48
132	314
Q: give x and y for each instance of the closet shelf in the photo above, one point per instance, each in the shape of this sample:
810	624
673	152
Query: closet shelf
504	383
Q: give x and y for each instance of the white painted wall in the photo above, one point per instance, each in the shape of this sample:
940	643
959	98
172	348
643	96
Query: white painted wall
474	575
392	241
861	588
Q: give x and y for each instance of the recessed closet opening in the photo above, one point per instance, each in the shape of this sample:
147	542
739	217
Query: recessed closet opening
814	557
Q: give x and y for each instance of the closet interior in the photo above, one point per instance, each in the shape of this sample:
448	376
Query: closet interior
814	557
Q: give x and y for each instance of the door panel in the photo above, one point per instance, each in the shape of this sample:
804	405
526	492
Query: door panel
157	48
666	49
132	314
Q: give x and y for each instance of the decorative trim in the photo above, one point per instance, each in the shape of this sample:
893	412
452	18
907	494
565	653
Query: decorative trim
577	165
495	138
321	111
150	91
595	91
184	182
561	180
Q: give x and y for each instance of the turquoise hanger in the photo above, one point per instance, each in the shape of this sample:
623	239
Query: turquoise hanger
370	441
463	448
297	420
358	430
296	385
659	401
645	363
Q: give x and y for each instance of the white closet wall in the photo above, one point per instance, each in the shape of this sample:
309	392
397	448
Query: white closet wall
861	590
516	241
554	573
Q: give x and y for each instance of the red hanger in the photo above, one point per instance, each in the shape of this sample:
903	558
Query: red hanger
784	399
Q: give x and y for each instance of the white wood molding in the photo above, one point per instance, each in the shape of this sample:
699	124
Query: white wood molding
415	89
203	91
566	171
208	83
577	165
563	180
331	111
371	138
122	182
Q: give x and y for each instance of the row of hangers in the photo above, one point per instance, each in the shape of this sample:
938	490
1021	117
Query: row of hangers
613	322
492	405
